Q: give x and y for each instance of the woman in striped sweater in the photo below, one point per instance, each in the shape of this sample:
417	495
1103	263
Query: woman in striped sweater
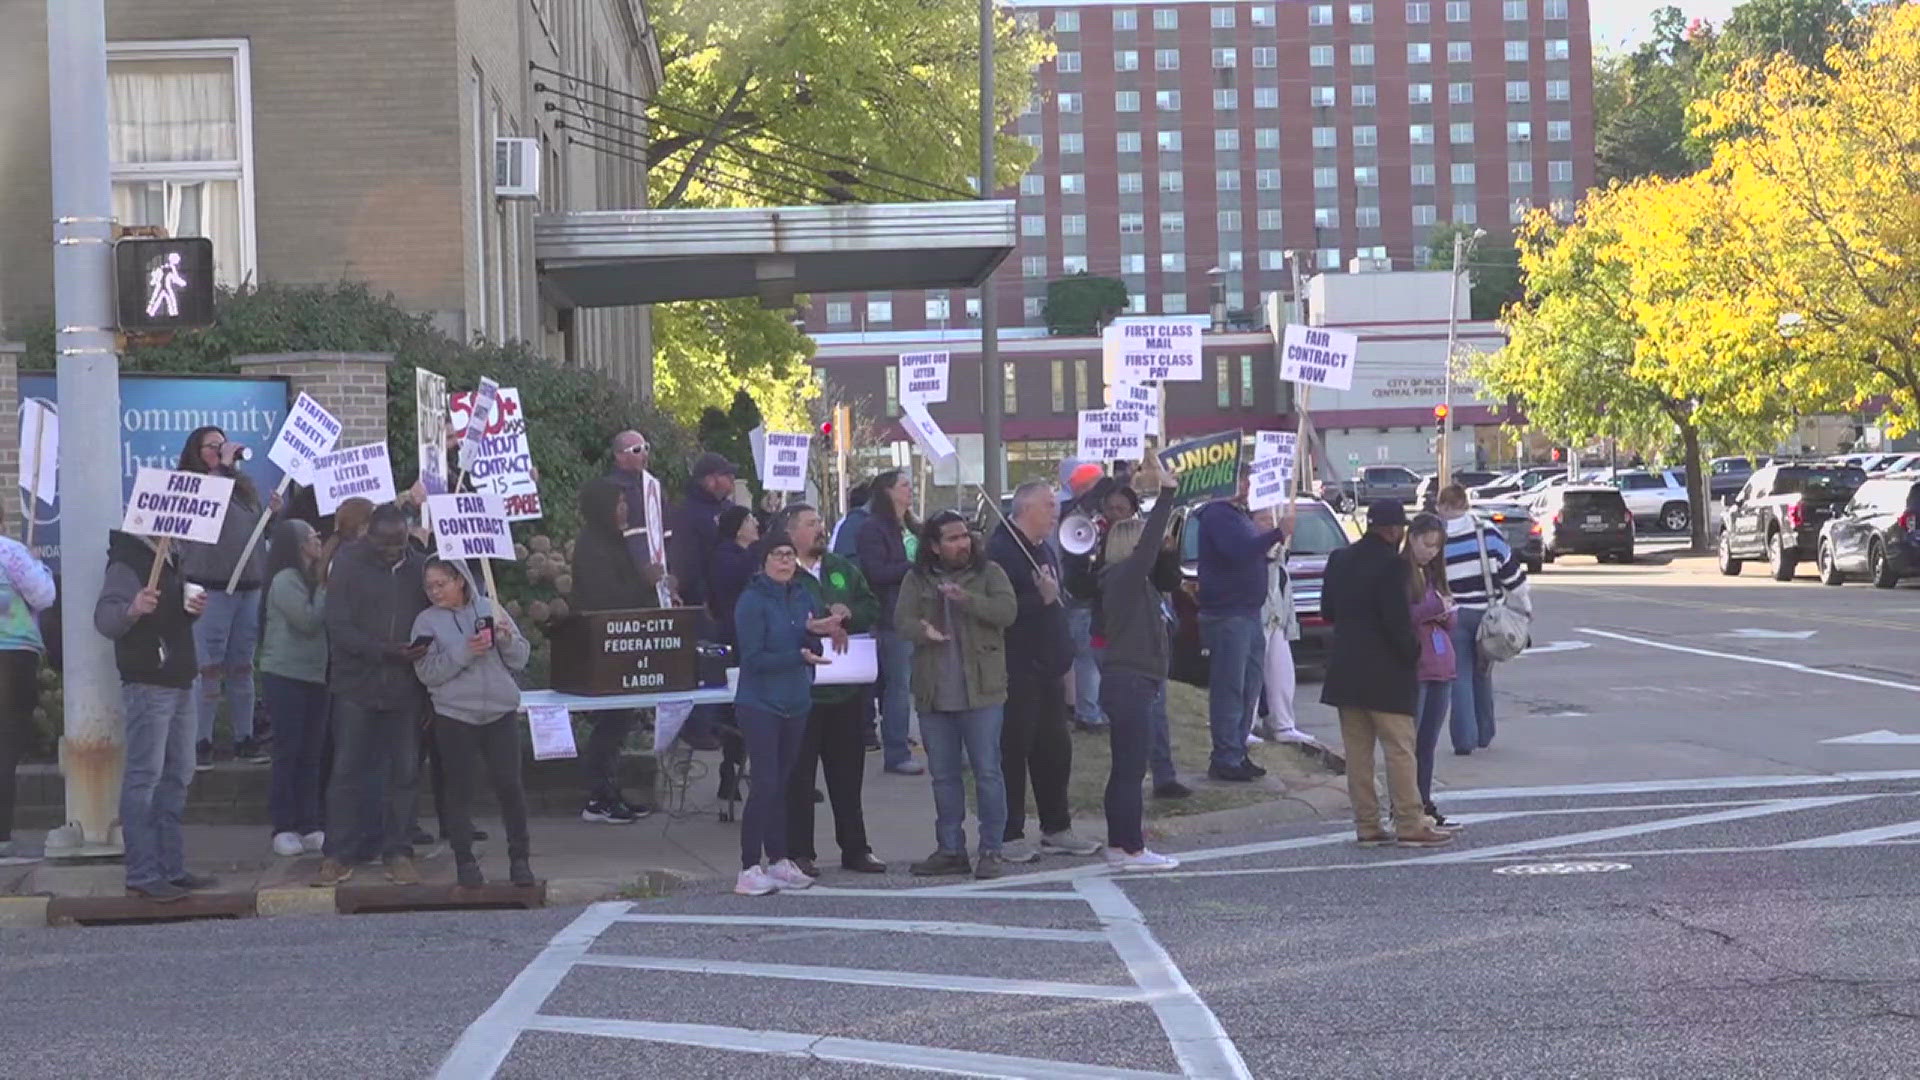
1469	539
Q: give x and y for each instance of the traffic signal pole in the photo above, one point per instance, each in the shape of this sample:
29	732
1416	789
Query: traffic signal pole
92	750
1443	475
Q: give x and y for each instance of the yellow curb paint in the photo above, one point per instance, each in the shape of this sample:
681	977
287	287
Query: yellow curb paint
295	901
23	911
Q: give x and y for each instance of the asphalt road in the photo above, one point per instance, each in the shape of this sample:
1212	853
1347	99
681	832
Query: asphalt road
1667	871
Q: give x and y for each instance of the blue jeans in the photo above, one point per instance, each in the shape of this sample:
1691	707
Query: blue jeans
946	735
376	763
1236	650
773	742
1128	700
1472	686
224	638
896	697
1431	715
153	789
1086	666
299	713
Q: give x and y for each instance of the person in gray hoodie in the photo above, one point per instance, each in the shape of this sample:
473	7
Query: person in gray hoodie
468	671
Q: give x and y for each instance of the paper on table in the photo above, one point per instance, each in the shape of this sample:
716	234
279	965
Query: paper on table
668	718
552	732
860	664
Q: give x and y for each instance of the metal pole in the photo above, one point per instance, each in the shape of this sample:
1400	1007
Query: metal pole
1443	476
992	453
92	750
1303	446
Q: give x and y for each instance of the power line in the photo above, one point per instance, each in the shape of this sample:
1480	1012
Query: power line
706	174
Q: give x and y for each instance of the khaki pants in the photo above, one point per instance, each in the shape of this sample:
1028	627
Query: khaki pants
1359	728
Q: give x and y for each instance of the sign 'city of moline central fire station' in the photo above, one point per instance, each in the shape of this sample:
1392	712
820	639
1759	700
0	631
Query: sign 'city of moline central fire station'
645	651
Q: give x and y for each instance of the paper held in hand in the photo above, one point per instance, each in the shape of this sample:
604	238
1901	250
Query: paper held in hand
471	525
363	472
552	727
1111	435
177	505
858	666
485	406
1270	485
40	451
308	432
1313	356
921	426
786	462
1271	445
430	429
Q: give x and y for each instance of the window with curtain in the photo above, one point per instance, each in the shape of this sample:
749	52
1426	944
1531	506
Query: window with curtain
1058	389
1222	384
1083	399
177	134
1010	388
1246	381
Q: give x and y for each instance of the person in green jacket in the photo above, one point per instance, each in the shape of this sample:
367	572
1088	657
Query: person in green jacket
955	607
293	676
835	740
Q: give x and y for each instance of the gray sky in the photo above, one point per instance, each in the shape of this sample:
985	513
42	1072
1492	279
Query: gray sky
1618	22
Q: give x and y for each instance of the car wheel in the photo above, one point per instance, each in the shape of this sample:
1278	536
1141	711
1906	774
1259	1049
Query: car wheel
1879	568
1624	557
1729	565
1778	561
1675	518
1829	573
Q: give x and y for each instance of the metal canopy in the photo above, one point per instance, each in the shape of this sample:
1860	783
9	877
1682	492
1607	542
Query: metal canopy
614	258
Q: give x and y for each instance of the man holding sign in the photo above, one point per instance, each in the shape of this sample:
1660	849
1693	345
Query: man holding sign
1233	585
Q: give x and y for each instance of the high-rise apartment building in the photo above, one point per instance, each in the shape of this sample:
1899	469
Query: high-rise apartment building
1186	146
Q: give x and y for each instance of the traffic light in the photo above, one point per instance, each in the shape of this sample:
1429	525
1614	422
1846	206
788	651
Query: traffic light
1440	413
1558	456
164	284
826	430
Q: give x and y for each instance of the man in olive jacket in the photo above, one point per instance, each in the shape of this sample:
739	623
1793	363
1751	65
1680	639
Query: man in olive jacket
955	607
835	740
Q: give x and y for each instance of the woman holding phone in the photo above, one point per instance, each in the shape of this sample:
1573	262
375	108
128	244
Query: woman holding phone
1433	618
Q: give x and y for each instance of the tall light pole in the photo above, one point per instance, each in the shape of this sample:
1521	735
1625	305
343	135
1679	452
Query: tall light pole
992	379
1461	245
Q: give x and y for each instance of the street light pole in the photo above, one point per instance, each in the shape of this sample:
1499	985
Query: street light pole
92	750
1443	475
992	379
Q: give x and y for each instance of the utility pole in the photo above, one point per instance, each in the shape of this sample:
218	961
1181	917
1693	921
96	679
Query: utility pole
992	453
92	747
1303	447
1443	475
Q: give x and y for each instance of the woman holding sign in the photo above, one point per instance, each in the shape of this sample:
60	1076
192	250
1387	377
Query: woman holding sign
226	636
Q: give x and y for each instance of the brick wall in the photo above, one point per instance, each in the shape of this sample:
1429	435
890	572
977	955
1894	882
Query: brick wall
351	386
10	354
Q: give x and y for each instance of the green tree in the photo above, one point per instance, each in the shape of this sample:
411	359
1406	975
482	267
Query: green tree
1803	29
1640	102
1080	305
1492	269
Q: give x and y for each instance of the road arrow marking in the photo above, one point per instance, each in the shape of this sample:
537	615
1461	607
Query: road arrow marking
1874	738
1557	646
1764	635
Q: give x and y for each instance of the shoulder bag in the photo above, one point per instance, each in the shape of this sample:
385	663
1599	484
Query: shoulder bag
1504	629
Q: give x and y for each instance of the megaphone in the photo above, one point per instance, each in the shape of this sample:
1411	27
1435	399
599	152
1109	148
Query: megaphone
1078	534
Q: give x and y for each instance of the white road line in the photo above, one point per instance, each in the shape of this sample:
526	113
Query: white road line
1200	1044
488	1040
896	926
1804	669
1705	783
904	980
946	892
833	1048
1594	836
1855	838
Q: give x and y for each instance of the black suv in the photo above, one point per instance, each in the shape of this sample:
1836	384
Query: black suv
1778	515
1876	536
1585	519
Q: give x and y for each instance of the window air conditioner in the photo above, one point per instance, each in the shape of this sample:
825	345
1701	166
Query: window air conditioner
516	168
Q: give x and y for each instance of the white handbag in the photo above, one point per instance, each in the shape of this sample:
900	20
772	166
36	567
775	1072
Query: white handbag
1504	629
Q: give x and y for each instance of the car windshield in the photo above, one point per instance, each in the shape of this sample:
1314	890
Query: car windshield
1799	481
1315	532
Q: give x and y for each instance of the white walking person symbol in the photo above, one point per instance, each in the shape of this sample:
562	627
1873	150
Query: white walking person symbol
161	281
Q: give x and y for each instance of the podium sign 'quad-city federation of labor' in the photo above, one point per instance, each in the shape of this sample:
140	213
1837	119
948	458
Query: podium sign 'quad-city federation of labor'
164	284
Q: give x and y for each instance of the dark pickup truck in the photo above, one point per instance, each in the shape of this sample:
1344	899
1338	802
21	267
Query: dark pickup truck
1777	515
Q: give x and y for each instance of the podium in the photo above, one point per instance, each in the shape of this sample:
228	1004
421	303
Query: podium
648	650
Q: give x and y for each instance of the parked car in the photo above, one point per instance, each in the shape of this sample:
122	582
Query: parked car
1521	530
1875	536
1515	483
1898	464
1372	483
1585	519
1429	489
1778	515
1656	498
1727	475
1317	533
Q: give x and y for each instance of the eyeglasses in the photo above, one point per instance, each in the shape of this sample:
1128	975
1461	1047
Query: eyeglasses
636	448
782	553
436	584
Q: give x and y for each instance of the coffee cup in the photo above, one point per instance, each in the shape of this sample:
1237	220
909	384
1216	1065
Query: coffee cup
191	592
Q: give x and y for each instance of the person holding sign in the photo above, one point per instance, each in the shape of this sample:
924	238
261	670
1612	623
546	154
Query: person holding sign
473	650
228	634
26	589
1233	585
147	609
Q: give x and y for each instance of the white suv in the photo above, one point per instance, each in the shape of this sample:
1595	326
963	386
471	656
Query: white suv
1657	498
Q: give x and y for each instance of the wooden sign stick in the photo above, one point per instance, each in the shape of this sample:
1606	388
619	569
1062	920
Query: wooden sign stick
259	527
160	552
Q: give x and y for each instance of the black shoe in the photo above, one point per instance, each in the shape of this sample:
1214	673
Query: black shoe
807	867
1172	789
419	837
638	810
989	866
610	811
729	790
520	872
1239	774
1253	767
942	864
202	756
166	892
864	864
251	752
467	875
196	882
1440	821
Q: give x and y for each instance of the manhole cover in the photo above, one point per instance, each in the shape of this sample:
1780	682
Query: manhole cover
1564	868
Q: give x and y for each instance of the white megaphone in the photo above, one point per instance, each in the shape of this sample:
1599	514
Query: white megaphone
1077	534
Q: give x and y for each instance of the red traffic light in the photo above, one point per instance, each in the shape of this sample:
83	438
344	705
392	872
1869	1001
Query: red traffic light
826	429
1557	456
1440	412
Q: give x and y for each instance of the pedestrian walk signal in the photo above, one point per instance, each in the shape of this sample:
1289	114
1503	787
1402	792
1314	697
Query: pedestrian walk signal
164	284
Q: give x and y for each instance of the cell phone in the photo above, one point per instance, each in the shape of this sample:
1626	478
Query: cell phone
483	624
422	641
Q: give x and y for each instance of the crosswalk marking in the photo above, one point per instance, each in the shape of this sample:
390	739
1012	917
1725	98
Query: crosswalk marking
905	980
895	926
1855	838
1593	836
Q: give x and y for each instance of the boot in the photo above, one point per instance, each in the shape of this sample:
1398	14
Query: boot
520	872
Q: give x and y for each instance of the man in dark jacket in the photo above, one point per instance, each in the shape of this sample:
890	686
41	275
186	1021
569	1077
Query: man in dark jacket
630	459
1372	675
605	578
373	593
1233	585
696	528
1033	732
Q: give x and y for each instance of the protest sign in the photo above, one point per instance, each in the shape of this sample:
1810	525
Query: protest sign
1312	356
39	454
923	377
1274	444
178	505
1106	435
1271	484
1209	466
363	472
484	406
786	462
308	432
921	427
503	464
655	529
430	429
471	525
1155	350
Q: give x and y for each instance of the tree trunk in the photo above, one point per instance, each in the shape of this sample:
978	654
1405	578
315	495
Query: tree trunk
1697	490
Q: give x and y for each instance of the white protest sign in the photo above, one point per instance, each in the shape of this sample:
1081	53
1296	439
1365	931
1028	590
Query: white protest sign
1155	350
503	463
757	442
180	505
1274	444
471	526
430	429
656	535
786	462
921	426
1126	395
485	405
308	432
1271	483
40	450
1106	435
552	728
363	472
923	377
1312	356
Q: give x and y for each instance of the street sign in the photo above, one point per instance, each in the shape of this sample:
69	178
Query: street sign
164	284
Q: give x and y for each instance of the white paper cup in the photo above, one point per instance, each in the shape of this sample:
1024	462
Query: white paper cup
191	593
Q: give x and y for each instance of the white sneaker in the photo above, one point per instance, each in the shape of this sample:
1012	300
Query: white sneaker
313	842
1292	735
1254	740
287	844
788	876
1019	852
754	881
1066	843
1147	860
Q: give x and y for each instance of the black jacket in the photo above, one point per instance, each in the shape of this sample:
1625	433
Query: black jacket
1039	646
883	559
371	604
696	529
155	649
1374	661
733	567
605	577
1131	618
